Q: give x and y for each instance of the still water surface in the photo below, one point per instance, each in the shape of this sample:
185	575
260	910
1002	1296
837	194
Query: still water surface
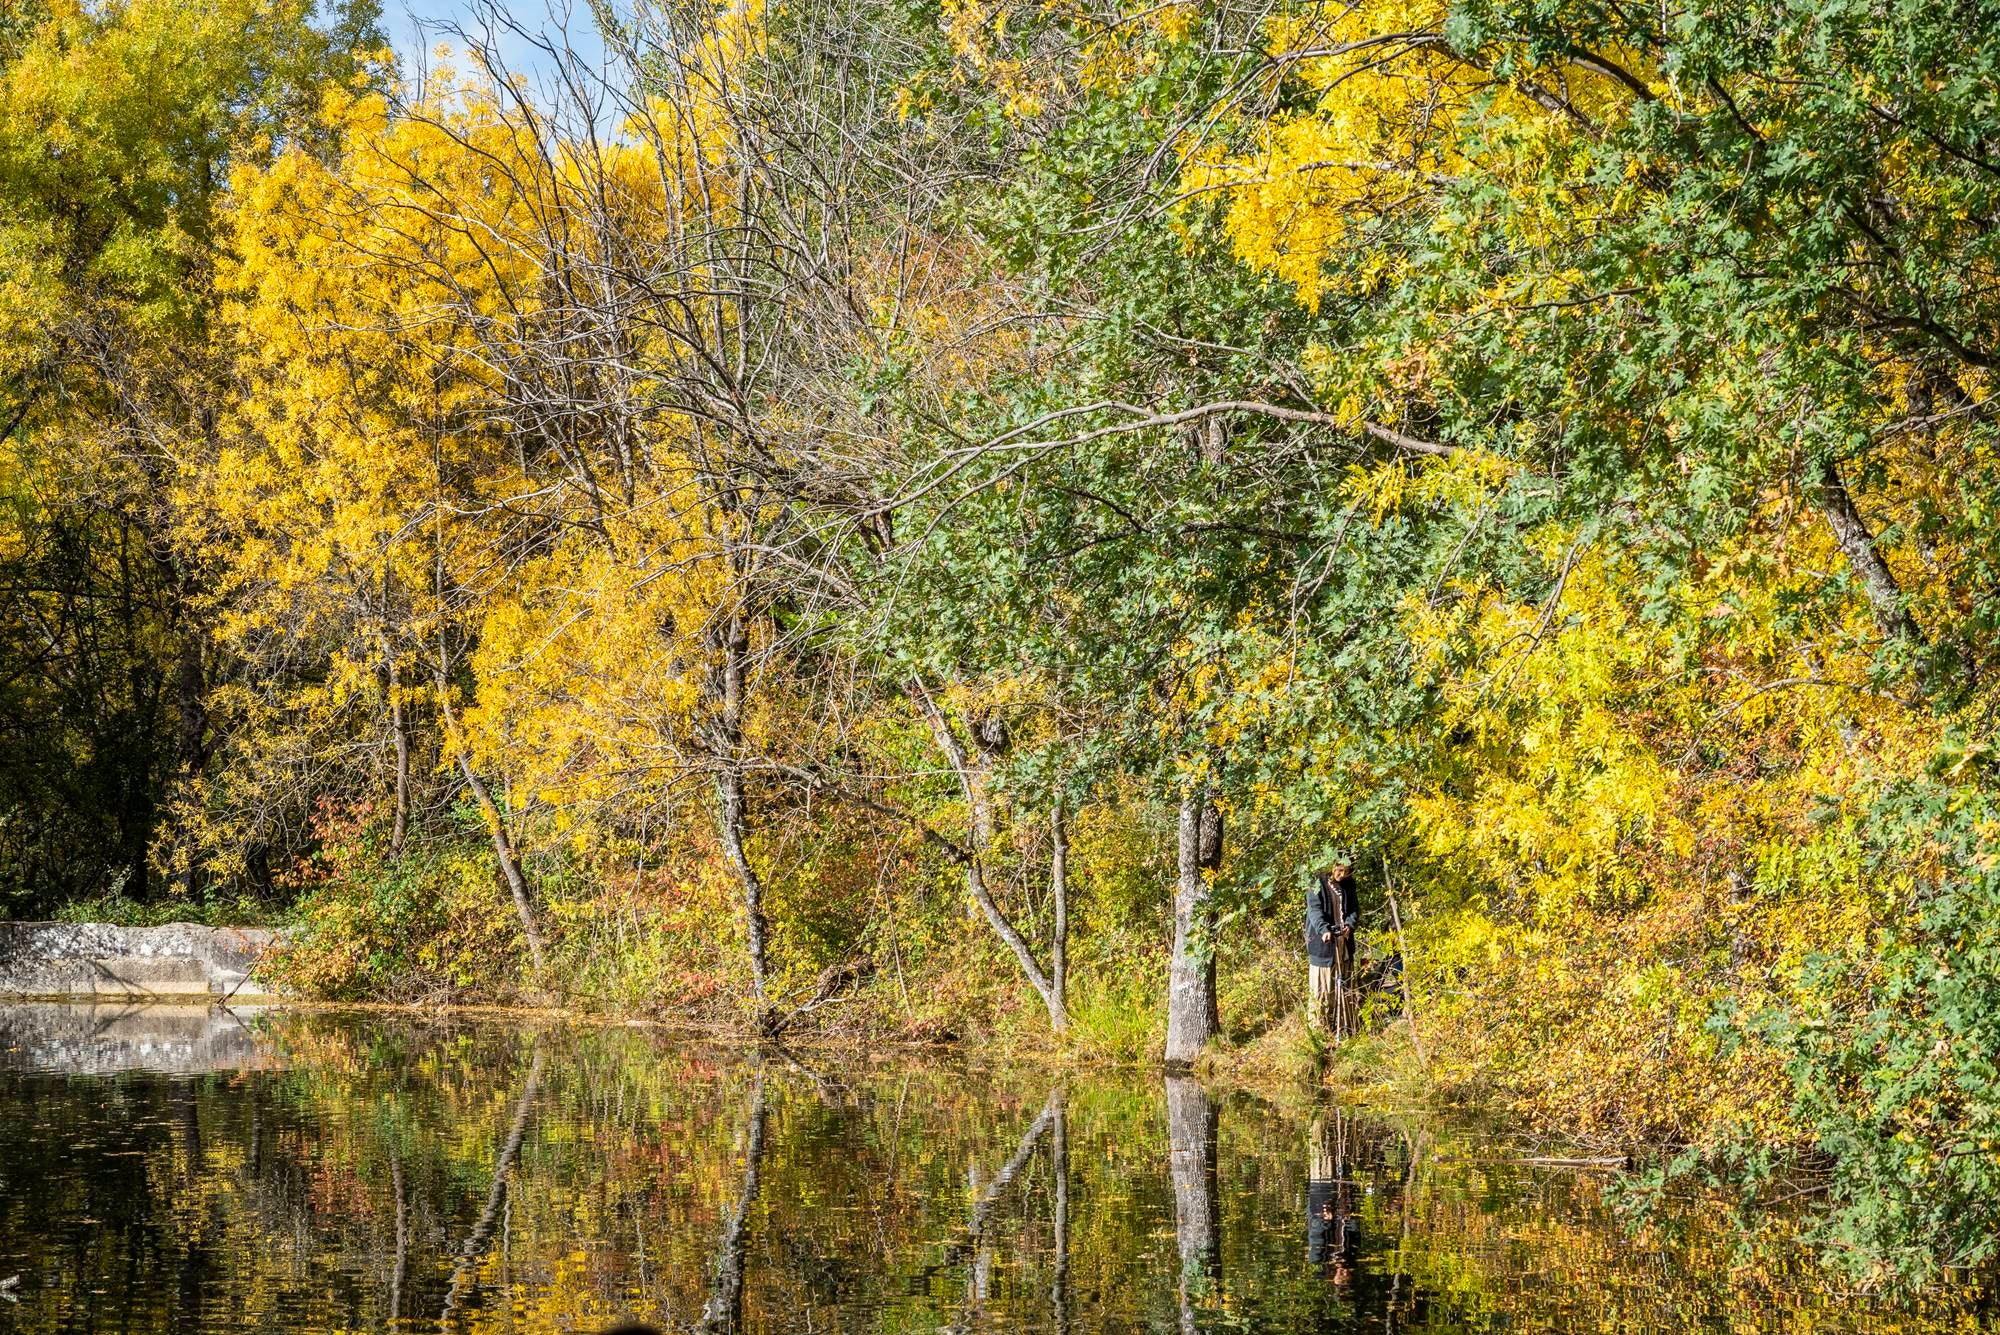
182	1171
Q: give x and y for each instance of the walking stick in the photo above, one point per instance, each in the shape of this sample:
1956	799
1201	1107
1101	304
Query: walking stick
1403	949
1340	958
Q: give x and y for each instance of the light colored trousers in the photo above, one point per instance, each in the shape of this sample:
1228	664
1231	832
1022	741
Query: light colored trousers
1333	1004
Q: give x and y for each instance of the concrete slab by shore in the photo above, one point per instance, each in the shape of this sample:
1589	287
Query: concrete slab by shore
179	960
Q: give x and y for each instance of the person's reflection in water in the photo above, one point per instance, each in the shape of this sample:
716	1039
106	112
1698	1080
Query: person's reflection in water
1333	1230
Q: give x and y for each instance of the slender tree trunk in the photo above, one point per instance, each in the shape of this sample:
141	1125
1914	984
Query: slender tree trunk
972	783
1857	544
1059	1157
1191	1014
503	842
399	731
190	689
402	1267
190	747
732	808
137	808
723	1312
1059	891
189	686
1191	1144
988	1197
191	1149
1403	974
482	1231
734	825
510	866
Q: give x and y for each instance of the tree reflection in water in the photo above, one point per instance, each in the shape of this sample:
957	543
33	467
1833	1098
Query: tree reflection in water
380	1176
1191	1149
723	1312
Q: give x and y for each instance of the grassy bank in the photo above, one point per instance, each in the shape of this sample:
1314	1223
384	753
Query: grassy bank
1723	1031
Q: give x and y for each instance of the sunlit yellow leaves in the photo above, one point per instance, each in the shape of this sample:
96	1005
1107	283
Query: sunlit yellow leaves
591	668
1395	116
1578	776
1177	21
1549	685
372	395
390	489
1381	131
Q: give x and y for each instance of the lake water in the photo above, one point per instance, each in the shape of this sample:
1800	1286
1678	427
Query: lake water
183	1171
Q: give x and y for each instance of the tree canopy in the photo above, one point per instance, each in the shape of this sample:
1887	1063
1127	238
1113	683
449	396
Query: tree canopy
945	518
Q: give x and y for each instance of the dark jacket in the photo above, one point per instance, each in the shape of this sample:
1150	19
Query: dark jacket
1332	1231
1330	906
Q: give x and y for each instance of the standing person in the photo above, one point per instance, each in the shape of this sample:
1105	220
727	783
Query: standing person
1333	907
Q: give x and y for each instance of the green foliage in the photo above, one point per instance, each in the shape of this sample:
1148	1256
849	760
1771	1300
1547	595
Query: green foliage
1547	450
212	910
428	925
1116	1011
1892	1048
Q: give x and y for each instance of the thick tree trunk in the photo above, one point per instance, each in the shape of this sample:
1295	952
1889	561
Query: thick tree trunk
1191	1144
510	866
732	807
972	782
1191	1014
1857	544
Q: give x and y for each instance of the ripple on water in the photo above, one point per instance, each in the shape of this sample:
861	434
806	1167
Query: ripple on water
193	1171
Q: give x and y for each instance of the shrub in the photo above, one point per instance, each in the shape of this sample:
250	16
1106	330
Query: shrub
1894	1049
430	924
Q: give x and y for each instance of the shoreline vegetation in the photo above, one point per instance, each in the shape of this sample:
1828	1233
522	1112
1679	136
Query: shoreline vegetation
940	518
